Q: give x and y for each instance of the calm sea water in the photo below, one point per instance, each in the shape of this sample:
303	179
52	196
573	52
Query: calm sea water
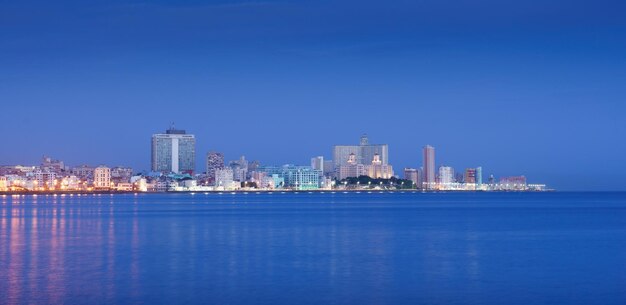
471	248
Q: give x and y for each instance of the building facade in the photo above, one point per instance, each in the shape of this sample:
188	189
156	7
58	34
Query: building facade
446	175
174	152
214	161
102	178
479	175
364	152
412	174
83	171
470	176
294	177
302	178
429	166
240	168
317	163
121	174
224	177
378	170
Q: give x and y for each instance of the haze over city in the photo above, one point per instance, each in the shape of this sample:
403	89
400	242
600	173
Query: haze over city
535	92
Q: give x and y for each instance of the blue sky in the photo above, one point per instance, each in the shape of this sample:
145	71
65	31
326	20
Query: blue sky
526	87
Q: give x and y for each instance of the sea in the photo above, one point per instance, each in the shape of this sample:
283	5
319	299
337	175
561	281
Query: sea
314	248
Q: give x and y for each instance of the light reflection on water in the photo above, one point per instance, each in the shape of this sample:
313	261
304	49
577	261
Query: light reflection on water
314	248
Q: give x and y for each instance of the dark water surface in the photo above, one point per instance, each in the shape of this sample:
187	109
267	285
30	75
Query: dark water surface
471	248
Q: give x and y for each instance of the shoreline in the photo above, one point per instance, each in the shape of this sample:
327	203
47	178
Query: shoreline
412	191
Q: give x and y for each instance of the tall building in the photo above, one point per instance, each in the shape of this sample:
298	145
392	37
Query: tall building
240	169
479	175
413	175
317	163
352	168
378	170
364	152
252	166
470	176
214	161
329	168
446	175
102	177
174	152
429	166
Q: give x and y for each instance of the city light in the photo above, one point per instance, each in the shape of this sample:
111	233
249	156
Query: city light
356	167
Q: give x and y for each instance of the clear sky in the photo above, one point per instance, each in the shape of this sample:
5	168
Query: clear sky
529	87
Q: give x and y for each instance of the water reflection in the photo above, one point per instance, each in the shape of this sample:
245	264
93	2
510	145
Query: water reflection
279	249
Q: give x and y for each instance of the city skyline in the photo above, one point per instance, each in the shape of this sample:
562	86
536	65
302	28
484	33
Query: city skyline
173	167
523	87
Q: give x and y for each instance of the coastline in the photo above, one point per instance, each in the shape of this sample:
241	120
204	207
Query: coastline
412	191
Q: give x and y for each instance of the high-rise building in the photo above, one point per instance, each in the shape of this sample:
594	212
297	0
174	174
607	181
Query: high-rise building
240	168
378	170
470	176
413	174
174	152
446	175
479	175
352	168
102	177
252	166
214	161
317	163
329	168
364	152
429	166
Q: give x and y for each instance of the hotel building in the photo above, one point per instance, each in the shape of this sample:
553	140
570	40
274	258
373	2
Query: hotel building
364	152
174	152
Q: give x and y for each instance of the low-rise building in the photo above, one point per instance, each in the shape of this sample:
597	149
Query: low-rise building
121	174
83	171
102	178
45	180
124	187
224	177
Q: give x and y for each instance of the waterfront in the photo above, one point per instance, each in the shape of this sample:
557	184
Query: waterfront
287	248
